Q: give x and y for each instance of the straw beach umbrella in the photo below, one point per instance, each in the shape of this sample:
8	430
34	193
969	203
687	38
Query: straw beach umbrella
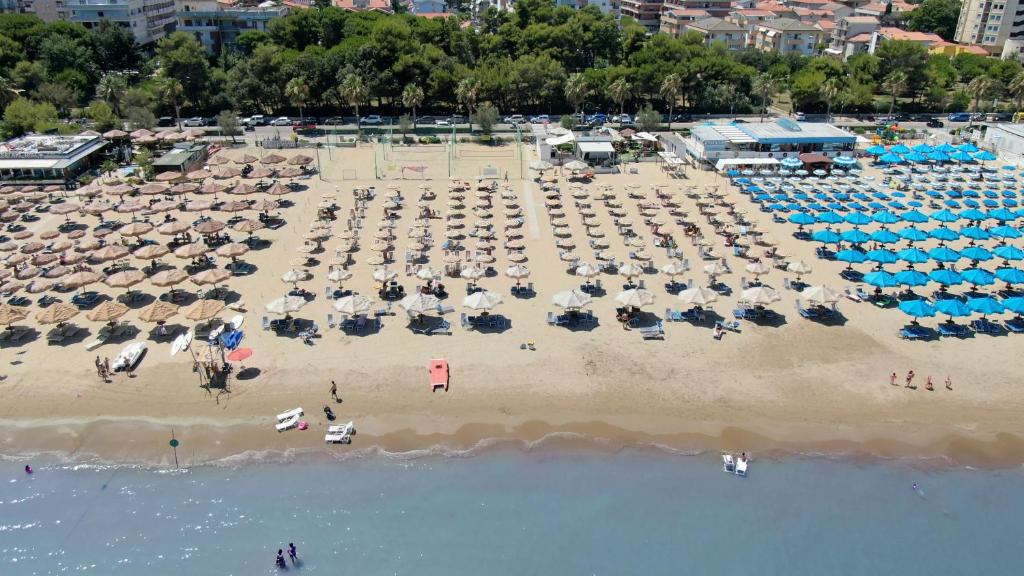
107	311
11	314
203	310
57	313
158	311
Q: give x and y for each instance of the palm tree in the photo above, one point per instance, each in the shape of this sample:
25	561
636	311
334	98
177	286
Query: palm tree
670	90
766	86
830	91
173	93
619	91
412	97
354	91
894	84
978	89
111	89
1016	89
576	90
297	91
467	91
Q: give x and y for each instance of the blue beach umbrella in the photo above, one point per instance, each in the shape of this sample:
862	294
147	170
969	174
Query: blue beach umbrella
882	256
791	162
916	157
961	156
830	218
855	236
876	150
944	234
913	255
978	276
914	216
885	217
938	156
880	279
857	218
851	256
974	215
1015	304
917	308
912	278
952	307
976	253
802	218
1003	215
985	305
923	148
885	236
944	254
975	233
899	149
913	234
985	156
890	159
845	160
825	237
1010	275
967	147
946	277
945	147
1008	252
1005	231
945	216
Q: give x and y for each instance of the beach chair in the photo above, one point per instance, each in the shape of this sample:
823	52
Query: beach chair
739	313
287	424
985	326
464	321
339	434
850	293
330	321
655	332
551	318
787	283
266	323
731	325
1015	325
948	329
673	315
443	327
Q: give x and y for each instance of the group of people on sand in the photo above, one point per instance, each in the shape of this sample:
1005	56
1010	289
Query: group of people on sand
927	385
292	553
103	368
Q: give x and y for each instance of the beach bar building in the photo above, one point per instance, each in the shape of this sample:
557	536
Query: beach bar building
183	157
757	144
49	159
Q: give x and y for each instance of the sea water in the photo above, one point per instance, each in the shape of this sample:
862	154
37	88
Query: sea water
513	512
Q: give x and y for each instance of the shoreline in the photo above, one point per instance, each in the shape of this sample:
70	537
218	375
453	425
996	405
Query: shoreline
103	442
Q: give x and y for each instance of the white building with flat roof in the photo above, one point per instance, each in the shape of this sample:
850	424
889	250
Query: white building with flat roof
1006	140
216	24
149	20
48	158
765	142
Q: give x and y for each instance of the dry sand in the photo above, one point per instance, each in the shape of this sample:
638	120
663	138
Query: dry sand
796	387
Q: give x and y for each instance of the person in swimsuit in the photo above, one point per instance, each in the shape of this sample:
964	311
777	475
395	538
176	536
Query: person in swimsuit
292	552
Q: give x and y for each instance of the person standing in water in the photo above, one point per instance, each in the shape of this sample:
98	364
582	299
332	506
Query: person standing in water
292	552
280	559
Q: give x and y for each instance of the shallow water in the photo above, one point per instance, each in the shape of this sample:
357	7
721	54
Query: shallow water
513	512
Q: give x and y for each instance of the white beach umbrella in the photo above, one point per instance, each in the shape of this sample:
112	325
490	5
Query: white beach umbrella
760	295
517	271
576	165
339	275
799	267
821	294
571	299
757	268
673	268
630	270
482	300
419	303
295	275
286	305
540	165
353	305
587	270
473	273
715	268
426	273
383	274
636	297
698	296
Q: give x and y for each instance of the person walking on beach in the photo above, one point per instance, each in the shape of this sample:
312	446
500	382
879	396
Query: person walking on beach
949	383
292	552
928	384
334	391
99	369
892	379
106	366
910	379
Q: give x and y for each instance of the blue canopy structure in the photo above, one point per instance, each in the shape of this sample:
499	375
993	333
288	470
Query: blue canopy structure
885	236
974	215
913	255
802	218
917	308
899	149
978	276
1003	215
945	148
985	305
984	156
857	218
975	233
1009	252
944	254
1010	275
882	256
876	150
961	156
855	236
1015	304
916	157
881	279
976	253
938	156
945	216
967	147
914	216
890	158
851	256
913	234
944	234
885	217
923	148
912	278
1005	231
953	307
825	236
830	218
946	277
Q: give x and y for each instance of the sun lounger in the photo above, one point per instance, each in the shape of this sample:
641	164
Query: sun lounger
673	315
733	325
287	424
954	330
293	413
741	466
266	323
652	332
100	339
339	434
443	327
985	326
1015	325
915	333
439	376
851	294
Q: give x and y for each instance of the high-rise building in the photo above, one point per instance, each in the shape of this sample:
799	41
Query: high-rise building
990	23
148	20
216	24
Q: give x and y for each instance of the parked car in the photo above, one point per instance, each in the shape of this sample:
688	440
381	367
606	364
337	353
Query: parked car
334	121
256	120
457	119
540	119
799	116
442	122
195	122
165	122
682	118
883	120
935	123
374	119
959	117
624	119
282	121
515	119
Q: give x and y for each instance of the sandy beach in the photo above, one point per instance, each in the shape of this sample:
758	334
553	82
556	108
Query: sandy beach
796	387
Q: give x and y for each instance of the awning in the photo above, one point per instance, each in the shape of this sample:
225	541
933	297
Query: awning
647	136
725	163
812	158
563	139
590	147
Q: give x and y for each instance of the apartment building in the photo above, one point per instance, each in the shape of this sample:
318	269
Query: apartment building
647	13
673	22
216	24
990	23
852	35
148	20
788	36
720	30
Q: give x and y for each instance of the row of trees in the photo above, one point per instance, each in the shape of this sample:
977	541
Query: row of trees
538	59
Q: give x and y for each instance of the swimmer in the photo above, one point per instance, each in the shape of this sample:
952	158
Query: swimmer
28	469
